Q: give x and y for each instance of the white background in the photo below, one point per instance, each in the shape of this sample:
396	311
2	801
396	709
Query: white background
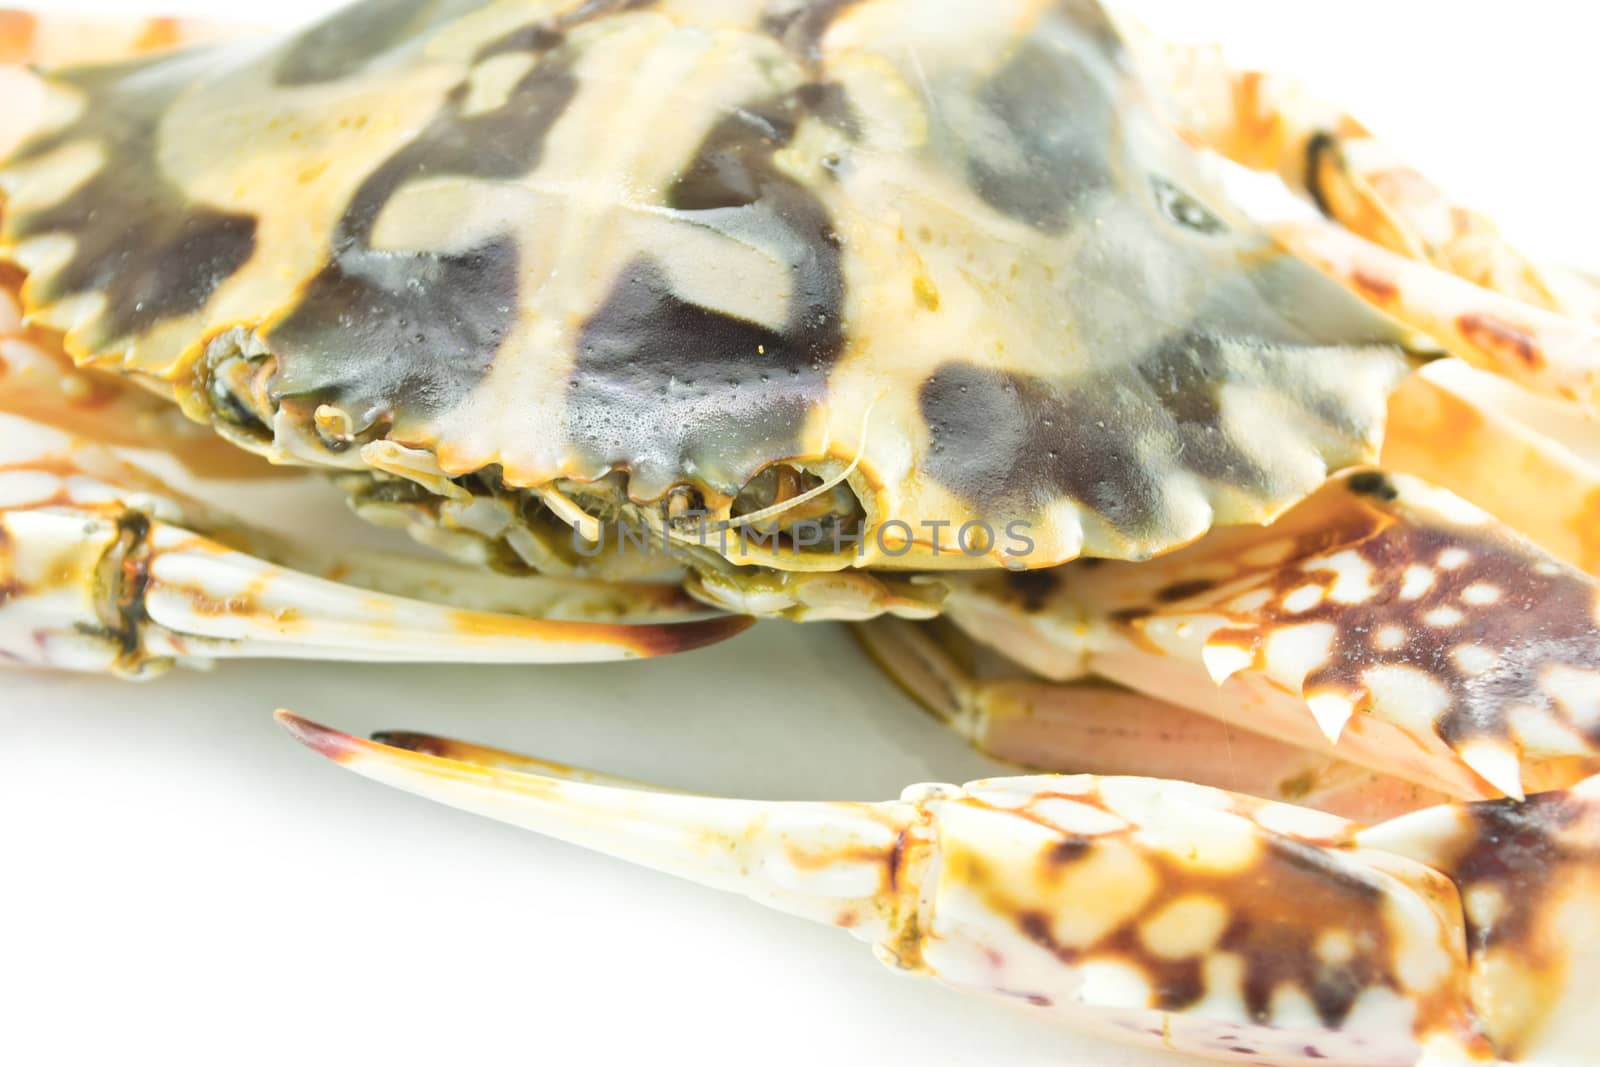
180	883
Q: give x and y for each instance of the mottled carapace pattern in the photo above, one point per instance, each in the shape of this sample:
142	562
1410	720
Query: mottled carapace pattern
689	240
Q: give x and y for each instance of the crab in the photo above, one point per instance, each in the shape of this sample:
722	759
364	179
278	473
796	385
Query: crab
937	322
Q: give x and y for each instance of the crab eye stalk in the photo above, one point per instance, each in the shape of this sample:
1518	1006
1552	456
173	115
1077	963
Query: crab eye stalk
800	506
233	382
1184	209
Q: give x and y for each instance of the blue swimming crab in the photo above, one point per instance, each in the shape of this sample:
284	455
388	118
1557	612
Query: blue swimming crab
655	316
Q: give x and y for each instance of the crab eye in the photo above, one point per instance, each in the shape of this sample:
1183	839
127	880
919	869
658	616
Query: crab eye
1184	209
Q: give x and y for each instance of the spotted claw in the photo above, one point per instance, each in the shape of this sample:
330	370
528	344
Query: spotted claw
1529	878
1167	913
1391	620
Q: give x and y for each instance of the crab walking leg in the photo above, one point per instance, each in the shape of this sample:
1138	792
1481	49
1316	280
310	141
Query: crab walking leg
544	596
100	570
488	758
1271	123
1531	461
1549	353
113	590
38	459
1388	618
1161	912
1098	728
838	863
49	39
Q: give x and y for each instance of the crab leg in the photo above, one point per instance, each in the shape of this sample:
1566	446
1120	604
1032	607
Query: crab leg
1269	122
1162	912
543	596
102	569
1398	242
43	449
1391	619
1531	461
53	40
1544	351
1529	878
29	39
1094	727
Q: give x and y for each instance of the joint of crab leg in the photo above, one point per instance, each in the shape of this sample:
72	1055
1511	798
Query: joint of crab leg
85	592
104	568
1529	878
55	576
88	593
1172	913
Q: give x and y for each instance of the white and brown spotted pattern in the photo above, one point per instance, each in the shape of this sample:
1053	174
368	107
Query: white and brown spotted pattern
687	241
1435	620
1196	919
1529	879
1402	623
1164	912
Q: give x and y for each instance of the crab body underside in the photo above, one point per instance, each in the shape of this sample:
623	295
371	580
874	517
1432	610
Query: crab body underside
847	277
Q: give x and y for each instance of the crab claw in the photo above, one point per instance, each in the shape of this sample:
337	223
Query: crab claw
1529	878
102	569
1161	912
835	863
1423	637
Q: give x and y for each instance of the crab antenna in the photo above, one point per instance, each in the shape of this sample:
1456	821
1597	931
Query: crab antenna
837	863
